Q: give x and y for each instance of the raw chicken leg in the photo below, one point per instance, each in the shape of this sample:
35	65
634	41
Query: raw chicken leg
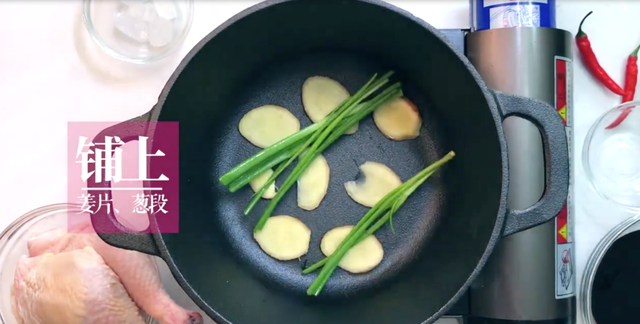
74	287
136	271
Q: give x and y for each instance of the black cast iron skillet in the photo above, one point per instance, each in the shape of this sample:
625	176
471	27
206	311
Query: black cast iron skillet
443	234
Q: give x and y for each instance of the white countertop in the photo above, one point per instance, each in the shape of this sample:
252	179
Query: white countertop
45	82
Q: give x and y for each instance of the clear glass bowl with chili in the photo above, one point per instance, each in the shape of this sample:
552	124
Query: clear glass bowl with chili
611	155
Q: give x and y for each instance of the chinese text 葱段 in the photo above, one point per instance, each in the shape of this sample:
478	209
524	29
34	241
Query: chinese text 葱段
143	204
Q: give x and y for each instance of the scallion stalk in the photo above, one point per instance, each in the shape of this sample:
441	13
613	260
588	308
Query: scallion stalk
287	143
345	109
269	162
259	169
328	136
366	226
267	153
371	230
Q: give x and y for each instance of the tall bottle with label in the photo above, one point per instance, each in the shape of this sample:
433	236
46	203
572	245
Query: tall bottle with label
516	48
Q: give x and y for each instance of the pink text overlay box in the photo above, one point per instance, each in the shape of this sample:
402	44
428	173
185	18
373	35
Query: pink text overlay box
124	176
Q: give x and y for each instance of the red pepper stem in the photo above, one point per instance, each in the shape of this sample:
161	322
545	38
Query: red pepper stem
580	32
635	52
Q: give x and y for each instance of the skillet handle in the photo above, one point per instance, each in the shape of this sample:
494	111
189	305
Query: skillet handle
556	156
104	221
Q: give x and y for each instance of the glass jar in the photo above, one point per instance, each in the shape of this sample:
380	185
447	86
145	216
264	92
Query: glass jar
138	31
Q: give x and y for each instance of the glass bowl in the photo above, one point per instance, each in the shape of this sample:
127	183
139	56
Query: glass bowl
611	156
138	31
13	245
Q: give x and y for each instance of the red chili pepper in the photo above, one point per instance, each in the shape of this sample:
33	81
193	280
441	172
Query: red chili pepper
620	119
591	61
631	76
630	83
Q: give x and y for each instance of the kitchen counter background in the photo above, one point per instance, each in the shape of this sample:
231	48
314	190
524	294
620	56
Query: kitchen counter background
49	75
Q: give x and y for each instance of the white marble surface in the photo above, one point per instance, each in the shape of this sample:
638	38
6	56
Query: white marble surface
49	75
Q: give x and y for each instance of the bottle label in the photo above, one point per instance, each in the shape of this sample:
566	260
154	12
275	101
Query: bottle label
492	14
564	254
